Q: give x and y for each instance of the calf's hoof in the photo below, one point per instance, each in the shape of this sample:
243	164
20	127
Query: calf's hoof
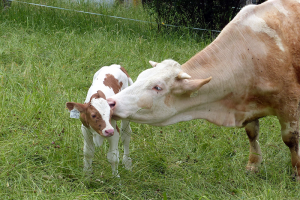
127	162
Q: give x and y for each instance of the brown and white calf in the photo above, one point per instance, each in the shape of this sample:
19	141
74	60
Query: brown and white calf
95	115
251	70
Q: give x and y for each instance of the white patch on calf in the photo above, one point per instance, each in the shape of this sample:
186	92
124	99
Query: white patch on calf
259	25
103	108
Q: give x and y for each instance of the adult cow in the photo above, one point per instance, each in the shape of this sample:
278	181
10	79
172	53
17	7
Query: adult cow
251	70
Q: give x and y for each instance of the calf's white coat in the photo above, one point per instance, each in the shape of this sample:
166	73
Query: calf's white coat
106	82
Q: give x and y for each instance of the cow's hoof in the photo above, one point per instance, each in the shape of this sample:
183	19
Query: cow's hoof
252	168
296	178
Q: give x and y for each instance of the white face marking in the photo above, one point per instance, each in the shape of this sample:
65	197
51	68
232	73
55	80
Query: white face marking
103	108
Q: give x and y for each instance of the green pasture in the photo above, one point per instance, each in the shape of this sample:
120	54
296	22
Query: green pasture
49	56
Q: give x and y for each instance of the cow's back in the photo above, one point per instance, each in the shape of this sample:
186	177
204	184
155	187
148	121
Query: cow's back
276	24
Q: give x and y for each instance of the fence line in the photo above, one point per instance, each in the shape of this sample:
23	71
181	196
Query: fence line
111	16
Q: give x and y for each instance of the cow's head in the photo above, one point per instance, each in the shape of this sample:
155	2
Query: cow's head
155	95
96	114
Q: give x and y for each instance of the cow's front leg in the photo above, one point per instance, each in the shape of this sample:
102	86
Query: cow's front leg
126	136
113	152
290	136
88	150
255	157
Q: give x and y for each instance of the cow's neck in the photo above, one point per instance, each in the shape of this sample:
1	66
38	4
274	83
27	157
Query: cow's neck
221	100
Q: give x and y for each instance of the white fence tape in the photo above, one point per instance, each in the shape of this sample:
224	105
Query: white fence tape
111	16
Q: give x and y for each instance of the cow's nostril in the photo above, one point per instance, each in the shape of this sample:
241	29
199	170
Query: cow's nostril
111	103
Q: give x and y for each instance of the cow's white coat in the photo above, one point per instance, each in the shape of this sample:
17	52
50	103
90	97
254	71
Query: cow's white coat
255	68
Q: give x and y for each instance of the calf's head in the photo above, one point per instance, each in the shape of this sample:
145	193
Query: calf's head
96	114
156	94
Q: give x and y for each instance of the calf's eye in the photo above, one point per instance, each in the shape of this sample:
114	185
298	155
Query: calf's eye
93	116
157	88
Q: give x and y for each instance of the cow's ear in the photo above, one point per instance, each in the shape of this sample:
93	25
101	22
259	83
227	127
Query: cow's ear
189	86
153	63
80	107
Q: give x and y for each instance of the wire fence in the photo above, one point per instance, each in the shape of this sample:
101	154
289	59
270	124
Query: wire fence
111	16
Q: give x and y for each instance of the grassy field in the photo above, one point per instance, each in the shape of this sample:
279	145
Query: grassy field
48	57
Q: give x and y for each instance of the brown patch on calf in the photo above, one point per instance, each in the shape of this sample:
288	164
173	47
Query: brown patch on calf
83	120
94	118
111	82
125	72
98	95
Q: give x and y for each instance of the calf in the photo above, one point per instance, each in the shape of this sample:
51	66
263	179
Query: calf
95	115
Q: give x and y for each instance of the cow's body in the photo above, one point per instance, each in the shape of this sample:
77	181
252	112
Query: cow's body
106	82
254	70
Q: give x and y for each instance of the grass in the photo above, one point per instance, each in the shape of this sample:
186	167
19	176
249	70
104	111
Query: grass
48	57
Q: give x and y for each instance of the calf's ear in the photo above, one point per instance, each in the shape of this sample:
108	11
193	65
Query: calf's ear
80	107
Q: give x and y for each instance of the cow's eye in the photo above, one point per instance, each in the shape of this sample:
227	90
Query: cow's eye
157	88
94	116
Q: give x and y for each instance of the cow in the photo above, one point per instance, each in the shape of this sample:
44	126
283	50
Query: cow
95	115
251	70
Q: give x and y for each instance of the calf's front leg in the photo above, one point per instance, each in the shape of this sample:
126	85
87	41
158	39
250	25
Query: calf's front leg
113	152
88	149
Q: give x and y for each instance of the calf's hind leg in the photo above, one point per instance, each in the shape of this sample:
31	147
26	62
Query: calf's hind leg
113	153
290	136
255	157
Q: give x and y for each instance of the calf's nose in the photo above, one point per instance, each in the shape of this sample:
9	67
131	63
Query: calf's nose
109	132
